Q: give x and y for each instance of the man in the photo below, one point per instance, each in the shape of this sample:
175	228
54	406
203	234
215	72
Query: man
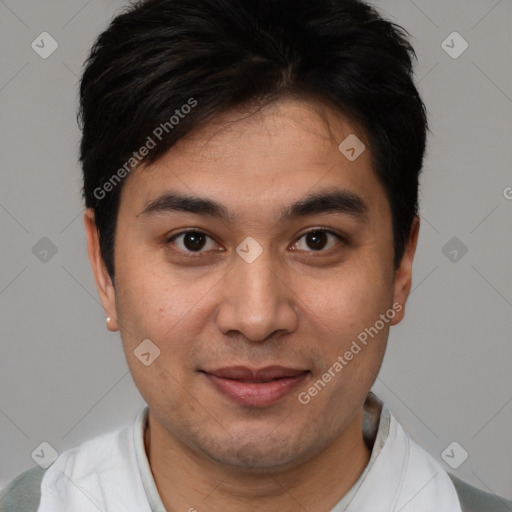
250	177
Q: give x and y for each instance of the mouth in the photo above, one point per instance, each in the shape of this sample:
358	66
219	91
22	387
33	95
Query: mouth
255	387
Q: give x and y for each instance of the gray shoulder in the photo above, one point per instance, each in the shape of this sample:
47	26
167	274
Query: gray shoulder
475	500
23	493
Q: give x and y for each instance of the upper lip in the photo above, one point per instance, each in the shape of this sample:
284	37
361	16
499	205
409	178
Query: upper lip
244	373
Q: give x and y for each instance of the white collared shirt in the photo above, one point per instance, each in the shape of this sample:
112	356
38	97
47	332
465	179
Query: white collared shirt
111	473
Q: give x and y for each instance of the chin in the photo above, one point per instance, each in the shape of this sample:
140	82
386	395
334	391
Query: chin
253	454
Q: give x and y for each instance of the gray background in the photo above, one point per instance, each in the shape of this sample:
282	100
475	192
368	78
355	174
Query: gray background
446	375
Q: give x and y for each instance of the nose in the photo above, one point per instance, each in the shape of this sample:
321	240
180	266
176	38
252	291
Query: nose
256	300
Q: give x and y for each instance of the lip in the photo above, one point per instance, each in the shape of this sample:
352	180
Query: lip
256	387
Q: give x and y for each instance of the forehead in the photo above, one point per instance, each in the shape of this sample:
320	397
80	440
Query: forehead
260	156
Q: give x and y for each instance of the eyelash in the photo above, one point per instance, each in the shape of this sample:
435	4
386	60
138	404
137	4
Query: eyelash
340	238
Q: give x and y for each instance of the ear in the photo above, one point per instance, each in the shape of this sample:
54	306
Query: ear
103	280
403	274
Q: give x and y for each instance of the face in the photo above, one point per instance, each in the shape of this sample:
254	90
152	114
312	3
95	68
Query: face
255	256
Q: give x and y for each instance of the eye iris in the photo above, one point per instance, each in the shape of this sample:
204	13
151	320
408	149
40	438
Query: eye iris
316	239
194	241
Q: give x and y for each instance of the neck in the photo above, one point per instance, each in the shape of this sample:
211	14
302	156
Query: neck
191	482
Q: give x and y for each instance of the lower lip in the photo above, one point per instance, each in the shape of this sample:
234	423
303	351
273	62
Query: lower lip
256	394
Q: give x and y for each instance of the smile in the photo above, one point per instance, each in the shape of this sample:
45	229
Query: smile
256	388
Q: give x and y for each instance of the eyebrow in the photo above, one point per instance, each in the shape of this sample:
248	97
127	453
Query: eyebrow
337	201
169	202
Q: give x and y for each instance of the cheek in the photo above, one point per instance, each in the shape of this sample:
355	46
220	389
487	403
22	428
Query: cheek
170	310
152	296
349	300
157	309
351	339
345	311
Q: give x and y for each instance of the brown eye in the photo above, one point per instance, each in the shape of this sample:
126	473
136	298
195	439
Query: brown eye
192	241
317	240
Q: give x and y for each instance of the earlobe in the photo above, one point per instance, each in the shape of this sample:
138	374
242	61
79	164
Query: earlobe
102	279
111	324
403	274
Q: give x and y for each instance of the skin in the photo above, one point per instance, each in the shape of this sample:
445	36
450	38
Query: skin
293	306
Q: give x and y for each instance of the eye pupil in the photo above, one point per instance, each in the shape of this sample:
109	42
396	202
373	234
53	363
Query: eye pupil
316	239
194	240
